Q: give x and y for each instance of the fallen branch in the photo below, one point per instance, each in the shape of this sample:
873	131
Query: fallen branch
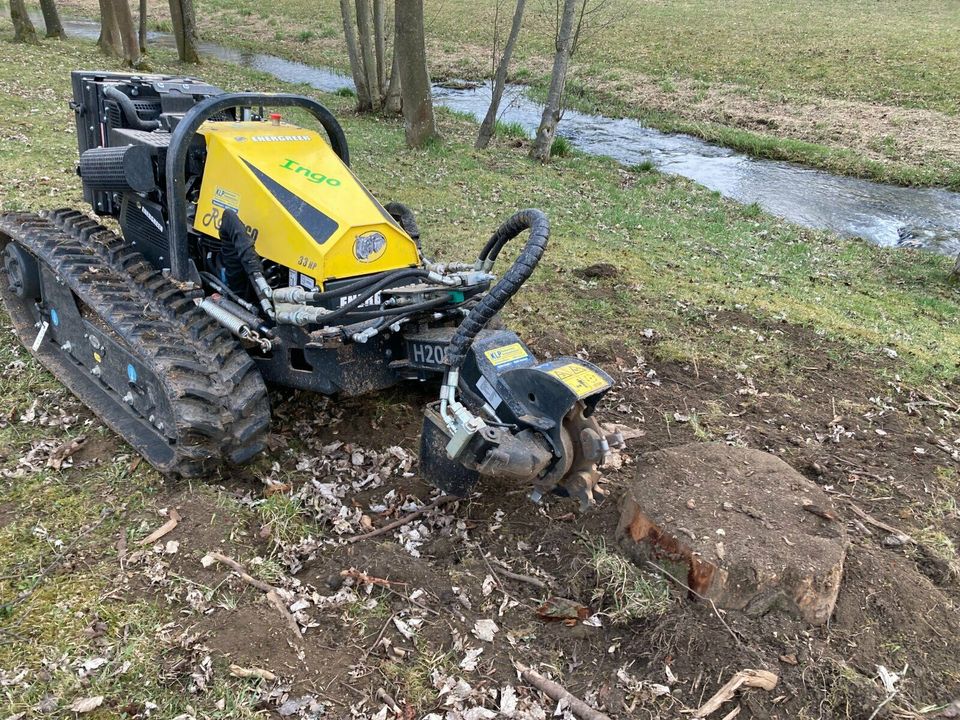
389	527
164	529
274	599
507	573
260	673
870	520
557	693
272	593
745	678
239	569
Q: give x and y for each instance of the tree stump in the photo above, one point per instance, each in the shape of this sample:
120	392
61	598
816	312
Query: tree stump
740	527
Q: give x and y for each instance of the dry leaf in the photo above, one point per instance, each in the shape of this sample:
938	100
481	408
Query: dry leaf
85	705
485	630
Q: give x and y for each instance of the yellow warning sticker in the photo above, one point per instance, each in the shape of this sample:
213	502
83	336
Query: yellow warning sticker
582	380
506	354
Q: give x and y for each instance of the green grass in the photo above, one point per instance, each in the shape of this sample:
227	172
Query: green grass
739	53
512	130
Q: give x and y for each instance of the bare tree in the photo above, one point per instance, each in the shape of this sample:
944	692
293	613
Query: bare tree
142	26
110	42
392	102
23	30
489	124
418	121
543	141
353	54
367	60
366	41
51	19
128	32
184	22
380	42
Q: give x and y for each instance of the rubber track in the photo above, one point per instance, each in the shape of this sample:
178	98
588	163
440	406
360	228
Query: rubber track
216	392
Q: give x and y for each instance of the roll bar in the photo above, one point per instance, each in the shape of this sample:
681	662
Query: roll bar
183	135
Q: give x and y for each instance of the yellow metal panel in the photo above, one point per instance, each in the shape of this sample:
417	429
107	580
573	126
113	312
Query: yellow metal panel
301	204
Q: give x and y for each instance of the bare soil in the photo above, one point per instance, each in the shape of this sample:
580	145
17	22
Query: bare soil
897	605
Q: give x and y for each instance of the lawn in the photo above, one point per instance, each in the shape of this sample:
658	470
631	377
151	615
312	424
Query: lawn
857	87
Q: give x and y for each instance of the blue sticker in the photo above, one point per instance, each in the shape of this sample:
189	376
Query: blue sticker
54	318
131	373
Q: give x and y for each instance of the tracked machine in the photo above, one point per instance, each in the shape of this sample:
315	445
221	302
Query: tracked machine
250	254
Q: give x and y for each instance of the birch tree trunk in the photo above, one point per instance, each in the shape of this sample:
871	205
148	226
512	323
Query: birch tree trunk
489	124
418	121
543	141
23	30
51	19
356	70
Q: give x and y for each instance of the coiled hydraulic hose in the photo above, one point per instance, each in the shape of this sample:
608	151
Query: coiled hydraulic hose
128	109
494	301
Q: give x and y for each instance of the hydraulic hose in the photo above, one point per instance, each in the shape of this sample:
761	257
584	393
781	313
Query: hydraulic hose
240	258
129	109
494	301
408	221
372	290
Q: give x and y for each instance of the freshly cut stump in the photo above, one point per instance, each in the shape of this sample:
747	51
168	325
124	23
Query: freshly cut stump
741	527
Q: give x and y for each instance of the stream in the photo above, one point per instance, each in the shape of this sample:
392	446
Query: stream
887	215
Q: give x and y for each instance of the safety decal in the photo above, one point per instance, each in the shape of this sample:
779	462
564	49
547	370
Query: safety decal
226	199
506	354
582	380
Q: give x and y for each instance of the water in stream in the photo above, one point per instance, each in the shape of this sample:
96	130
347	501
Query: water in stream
887	215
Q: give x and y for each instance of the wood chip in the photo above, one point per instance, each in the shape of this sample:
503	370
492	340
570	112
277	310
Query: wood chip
164	529
259	673
762	679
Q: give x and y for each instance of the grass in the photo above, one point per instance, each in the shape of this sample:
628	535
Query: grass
623	592
685	256
512	130
693	62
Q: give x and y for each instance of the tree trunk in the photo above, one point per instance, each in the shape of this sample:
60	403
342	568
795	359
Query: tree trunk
380	44
128	32
185	30
418	121
365	35
489	124
543	141
142	26
23	30
350	38
51	19
109	41
392	103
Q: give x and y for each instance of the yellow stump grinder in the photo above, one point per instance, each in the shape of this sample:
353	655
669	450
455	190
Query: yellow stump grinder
251	254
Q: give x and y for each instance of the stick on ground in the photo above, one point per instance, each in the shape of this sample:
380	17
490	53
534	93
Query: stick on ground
557	693
164	529
272	593
389	527
745	678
